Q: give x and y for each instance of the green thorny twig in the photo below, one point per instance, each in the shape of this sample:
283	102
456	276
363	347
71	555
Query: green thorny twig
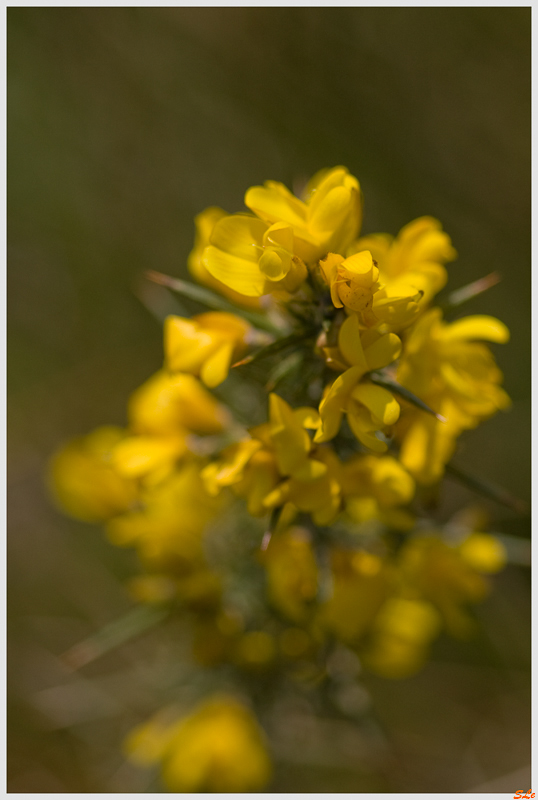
208	298
135	622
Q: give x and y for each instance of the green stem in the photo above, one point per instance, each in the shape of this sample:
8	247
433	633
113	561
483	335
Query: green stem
136	621
208	298
487	489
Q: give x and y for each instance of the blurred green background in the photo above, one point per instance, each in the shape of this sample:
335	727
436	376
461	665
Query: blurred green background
123	123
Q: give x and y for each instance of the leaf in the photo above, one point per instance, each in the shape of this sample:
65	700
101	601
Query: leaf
284	368
388	383
487	489
208	298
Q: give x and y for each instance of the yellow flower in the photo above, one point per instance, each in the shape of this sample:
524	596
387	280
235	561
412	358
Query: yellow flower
168	528
374	487
253	258
483	552
328	219
448	576
382	477
205	222
457	377
352	281
369	408
204	345
292	573
401	636
219	747
361	582
413	261
354	284
162	414
83	479
281	448
316	494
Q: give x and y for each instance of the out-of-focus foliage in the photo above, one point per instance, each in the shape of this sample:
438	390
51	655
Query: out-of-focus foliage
145	116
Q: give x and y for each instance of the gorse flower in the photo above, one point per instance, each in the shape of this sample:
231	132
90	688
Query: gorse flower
290	529
412	261
327	218
218	748
369	408
457	376
204	345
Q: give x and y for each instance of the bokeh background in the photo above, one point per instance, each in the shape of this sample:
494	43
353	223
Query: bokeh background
123	123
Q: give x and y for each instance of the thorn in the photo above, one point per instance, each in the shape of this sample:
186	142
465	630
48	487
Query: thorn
243	361
265	541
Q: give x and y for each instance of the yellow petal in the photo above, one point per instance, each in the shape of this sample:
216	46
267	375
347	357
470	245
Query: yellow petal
397	310
350	345
383	351
279	235
308	417
291	441
138	455
379	401
273	202
229	325
310	470
230	469
333	404
275	265
360	263
477	327
377	243
215	370
242	275
365	436
483	552
185	344
239	235
327	214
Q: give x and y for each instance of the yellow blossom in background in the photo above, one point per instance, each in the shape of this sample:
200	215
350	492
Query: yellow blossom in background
84	481
401	635
450	576
205	345
163	413
167	403
413	261
219	747
457	377
281	448
167	528
292	573
483	552
360	583
369	408
319	494
375	487
327	219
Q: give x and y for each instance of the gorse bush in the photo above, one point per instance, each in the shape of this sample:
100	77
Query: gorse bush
274	476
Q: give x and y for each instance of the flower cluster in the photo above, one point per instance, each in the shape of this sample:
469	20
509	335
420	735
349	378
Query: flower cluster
368	391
